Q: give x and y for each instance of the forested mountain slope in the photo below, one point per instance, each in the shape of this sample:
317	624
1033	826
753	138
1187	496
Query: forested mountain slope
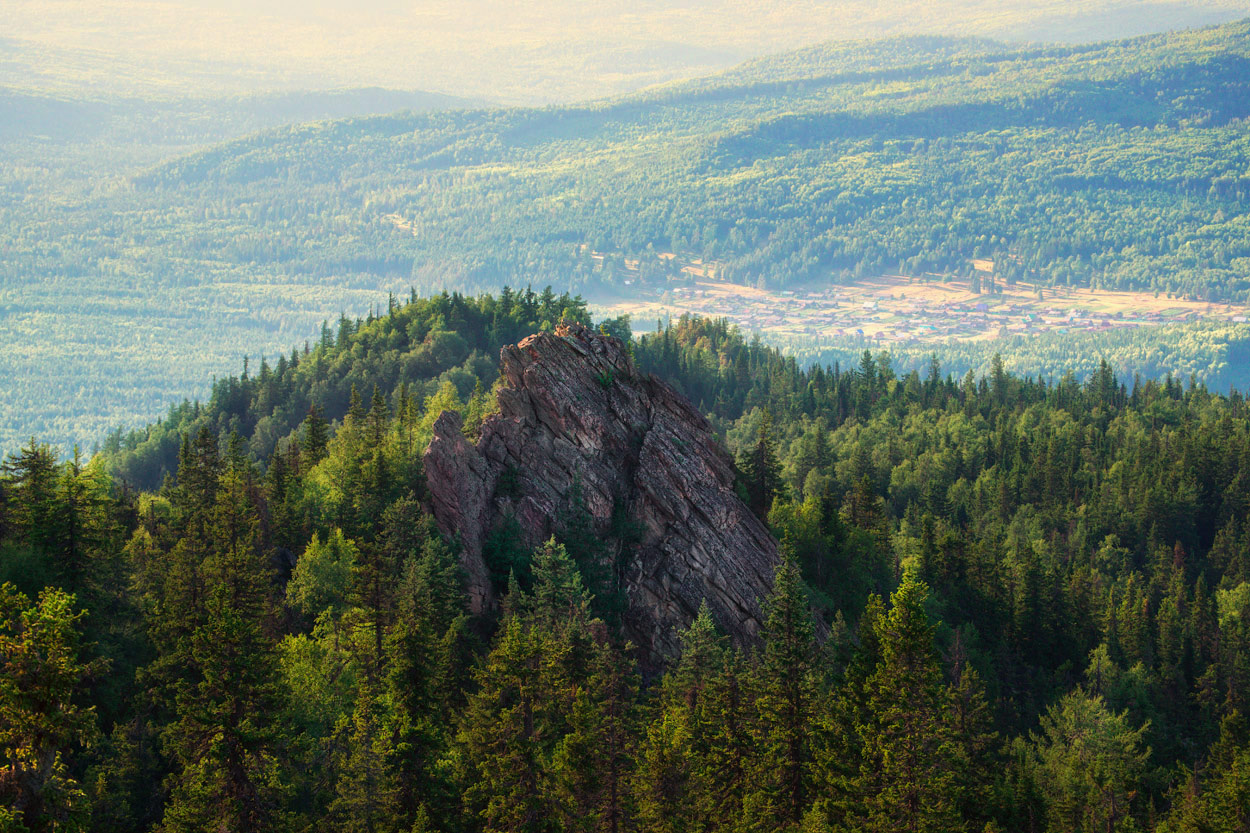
1033	603
1118	164
89	347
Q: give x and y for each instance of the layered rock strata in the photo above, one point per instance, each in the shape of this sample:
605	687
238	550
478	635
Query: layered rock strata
573	408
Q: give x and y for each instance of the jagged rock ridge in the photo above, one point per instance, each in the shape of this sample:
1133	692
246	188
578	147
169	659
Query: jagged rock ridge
574	408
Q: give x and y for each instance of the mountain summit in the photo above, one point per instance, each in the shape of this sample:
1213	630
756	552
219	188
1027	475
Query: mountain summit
576	416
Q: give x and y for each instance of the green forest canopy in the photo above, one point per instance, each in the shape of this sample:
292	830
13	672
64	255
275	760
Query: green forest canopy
1034	608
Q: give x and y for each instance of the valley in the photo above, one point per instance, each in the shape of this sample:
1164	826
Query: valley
894	311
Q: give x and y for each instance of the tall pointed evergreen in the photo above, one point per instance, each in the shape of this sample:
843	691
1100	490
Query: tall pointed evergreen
759	468
223	740
785	689
910	758
315	438
515	721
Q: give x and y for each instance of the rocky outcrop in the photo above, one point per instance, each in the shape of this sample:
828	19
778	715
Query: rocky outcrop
573	408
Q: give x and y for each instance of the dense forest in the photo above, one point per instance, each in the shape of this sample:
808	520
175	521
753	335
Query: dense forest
1002	604
1110	165
1214	352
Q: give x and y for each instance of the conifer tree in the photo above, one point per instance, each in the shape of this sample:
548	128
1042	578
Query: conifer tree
976	743
908	773
1088	764
592	764
31	495
693	766
838	748
1216	797
377	571
514	722
222	741
366	784
504	735
315	438
42	721
785	688
429	657
760	469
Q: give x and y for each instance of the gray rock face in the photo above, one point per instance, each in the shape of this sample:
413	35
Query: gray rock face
574	408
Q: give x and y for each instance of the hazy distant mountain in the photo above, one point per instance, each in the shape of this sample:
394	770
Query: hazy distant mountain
197	121
556	50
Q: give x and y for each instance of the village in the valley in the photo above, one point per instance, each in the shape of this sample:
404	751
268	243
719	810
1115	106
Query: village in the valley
900	310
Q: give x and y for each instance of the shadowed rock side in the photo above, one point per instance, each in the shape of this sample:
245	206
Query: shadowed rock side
573	407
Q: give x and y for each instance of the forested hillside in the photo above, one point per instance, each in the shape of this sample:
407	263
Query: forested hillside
1119	165
1114	165
1003	604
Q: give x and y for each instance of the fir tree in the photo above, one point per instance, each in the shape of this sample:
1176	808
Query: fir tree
910	758
223	739
784	701
43	724
315	439
760	470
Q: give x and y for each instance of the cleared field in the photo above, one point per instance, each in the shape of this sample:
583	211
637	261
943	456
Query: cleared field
899	310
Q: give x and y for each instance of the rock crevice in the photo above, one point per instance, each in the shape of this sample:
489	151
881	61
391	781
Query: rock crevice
573	408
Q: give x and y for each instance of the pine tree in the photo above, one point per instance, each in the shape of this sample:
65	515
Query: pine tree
315	439
760	469
785	690
910	758
42	723
223	738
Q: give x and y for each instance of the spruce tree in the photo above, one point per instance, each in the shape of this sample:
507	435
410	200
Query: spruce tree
693	768
785	688
592	764
515	721
366	782
43	724
223	739
315	438
977	746
429	652
760	470
910	757
33	507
